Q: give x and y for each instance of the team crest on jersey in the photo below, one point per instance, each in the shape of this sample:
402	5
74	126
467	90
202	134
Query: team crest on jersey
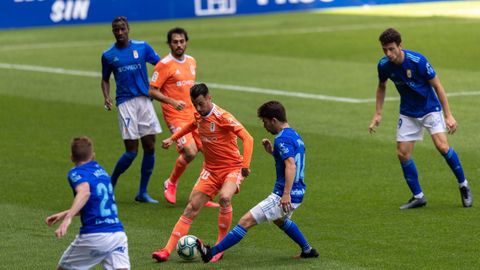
409	73
135	54
212	127
192	70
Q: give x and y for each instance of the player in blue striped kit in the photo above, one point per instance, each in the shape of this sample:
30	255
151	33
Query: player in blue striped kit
423	104
288	150
127	59
102	238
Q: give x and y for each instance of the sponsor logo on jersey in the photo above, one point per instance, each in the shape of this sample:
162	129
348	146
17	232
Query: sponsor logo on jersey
135	54
75	177
409	73
186	82
155	76
129	68
283	149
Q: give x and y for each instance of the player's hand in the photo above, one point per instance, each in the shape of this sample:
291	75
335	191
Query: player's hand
166	143
377	118
267	144
451	124
179	105
286	203
245	172
63	228
50	220
108	104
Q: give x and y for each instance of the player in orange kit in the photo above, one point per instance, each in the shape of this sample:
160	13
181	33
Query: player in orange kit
170	84
223	170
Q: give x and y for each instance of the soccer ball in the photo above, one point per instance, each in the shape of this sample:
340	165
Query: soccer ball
187	247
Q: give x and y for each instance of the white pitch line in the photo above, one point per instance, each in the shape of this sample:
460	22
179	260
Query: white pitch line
239	88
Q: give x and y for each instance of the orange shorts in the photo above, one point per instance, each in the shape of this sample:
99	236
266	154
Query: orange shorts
211	182
193	137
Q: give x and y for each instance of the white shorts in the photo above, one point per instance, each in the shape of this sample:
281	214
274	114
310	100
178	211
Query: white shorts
88	250
137	118
270	209
411	129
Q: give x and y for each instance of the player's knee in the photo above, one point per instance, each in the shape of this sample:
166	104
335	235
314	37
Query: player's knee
403	156
224	201
192	210
247	222
443	148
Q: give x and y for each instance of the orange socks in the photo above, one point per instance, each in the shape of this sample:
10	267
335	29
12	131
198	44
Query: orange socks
225	216
180	166
180	229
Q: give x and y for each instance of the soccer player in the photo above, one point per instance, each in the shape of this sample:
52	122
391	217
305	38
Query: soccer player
101	238
423	104
223	170
136	116
288	151
171	81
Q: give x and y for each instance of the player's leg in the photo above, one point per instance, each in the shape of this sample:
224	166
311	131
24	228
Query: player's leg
291	229
451	157
231	239
124	162
148	162
127	121
410	130
410	173
196	201
188	151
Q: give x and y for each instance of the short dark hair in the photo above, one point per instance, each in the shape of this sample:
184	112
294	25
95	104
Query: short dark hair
390	35
176	30
82	149
198	89
120	19
272	109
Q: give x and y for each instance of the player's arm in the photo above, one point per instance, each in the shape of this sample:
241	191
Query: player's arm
247	140
290	169
442	97
177	135
81	198
154	92
380	99
159	77
105	84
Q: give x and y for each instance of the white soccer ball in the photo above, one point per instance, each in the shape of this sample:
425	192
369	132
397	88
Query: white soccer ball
187	247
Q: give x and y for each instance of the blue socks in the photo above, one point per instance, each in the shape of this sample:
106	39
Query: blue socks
292	230
454	163
122	165
411	176
231	239
146	171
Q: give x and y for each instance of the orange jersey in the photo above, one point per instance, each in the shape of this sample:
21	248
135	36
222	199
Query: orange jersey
218	132
174	78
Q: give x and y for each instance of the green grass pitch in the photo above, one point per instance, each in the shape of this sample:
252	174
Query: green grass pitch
355	185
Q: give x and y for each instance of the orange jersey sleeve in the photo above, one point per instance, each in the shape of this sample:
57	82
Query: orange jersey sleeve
219	132
184	130
174	79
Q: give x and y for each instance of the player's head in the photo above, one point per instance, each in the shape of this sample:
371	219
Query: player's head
177	39
273	116
201	99
391	41
120	29
82	149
